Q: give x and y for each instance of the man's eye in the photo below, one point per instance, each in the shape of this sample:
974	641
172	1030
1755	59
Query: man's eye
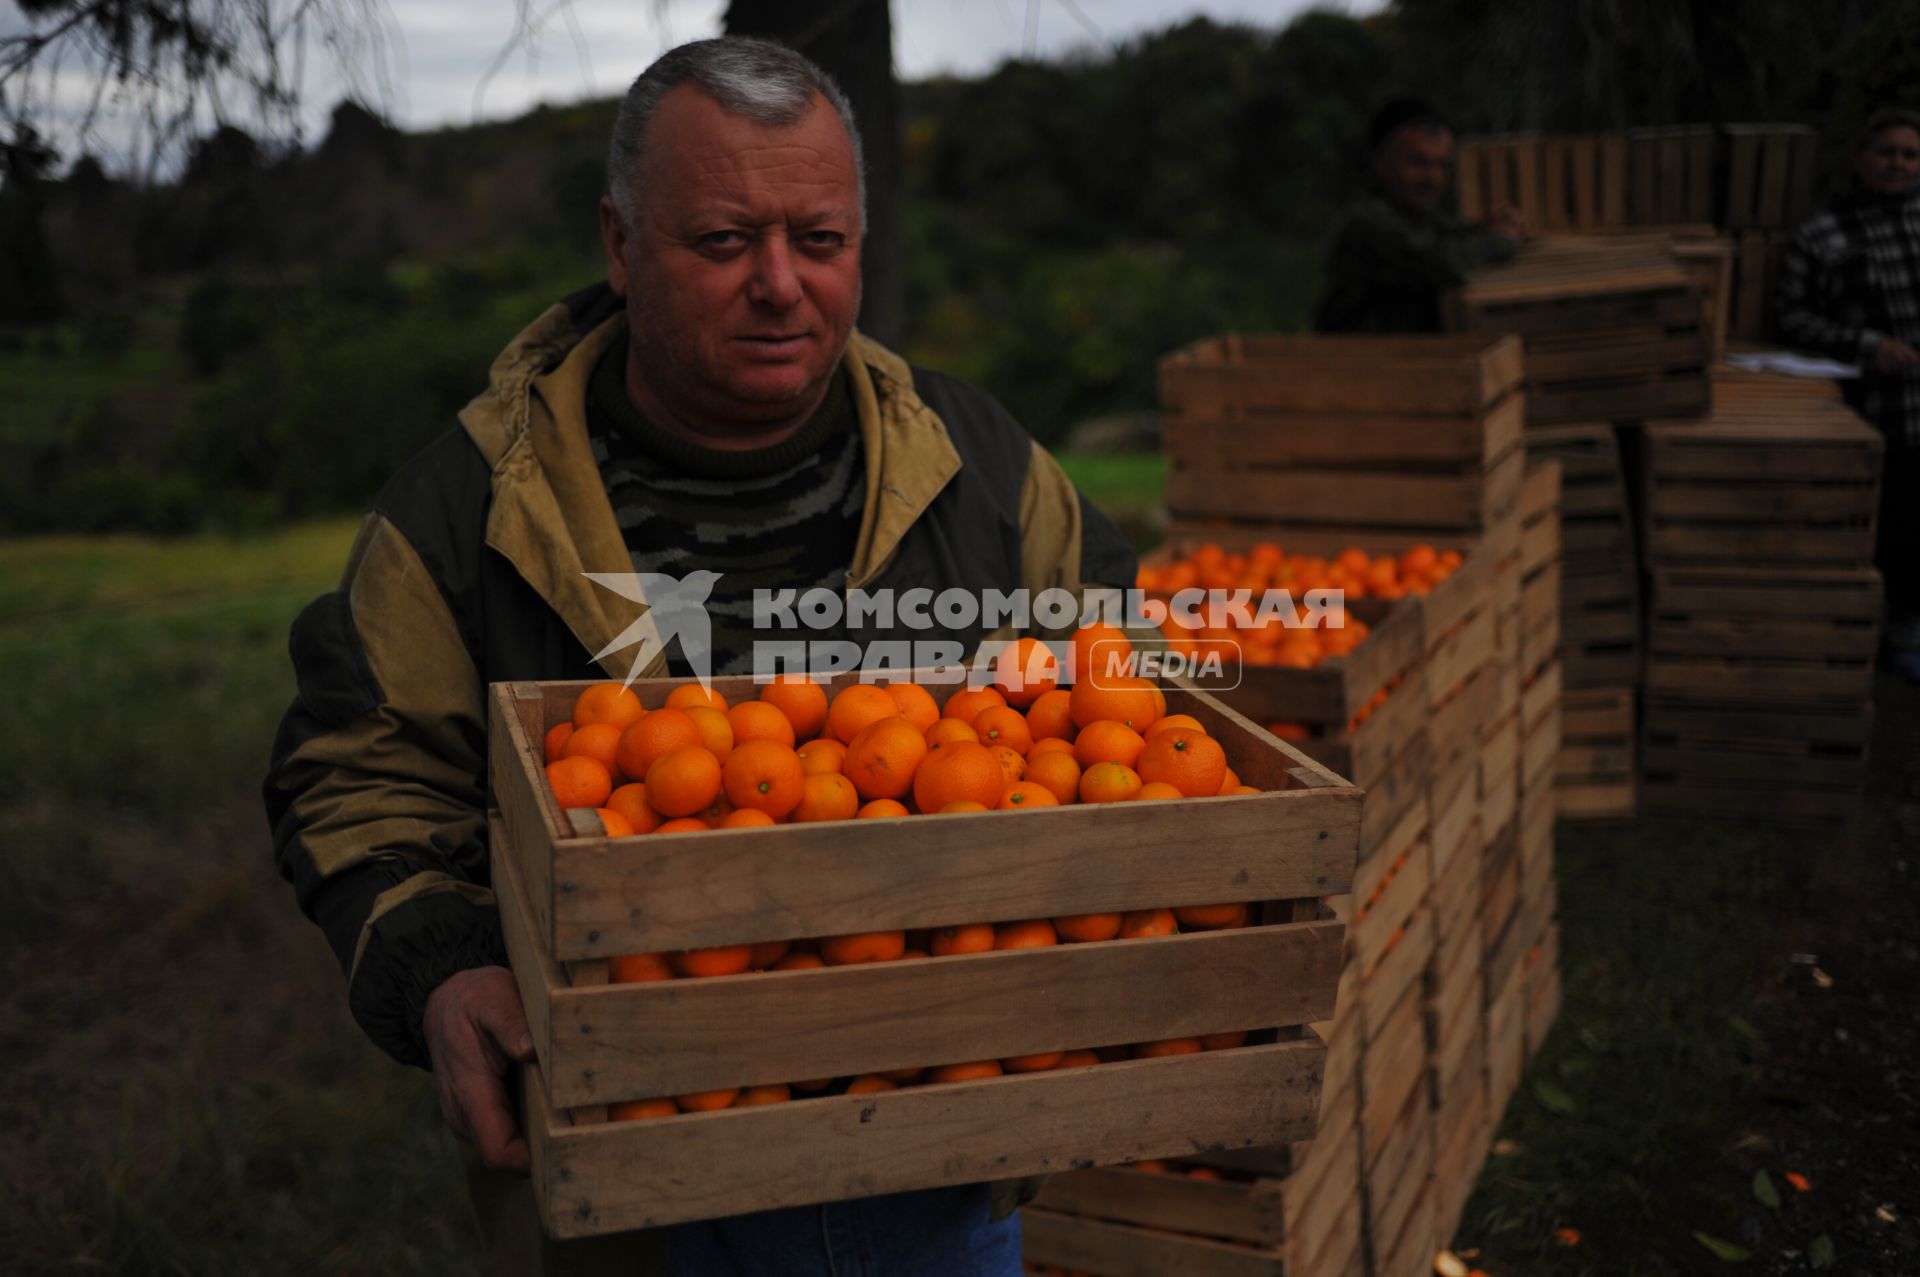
722	240
824	239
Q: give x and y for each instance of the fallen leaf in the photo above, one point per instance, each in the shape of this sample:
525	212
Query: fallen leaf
1764	1192
1822	979
1799	1181
1448	1264
1553	1097
1820	1252
1723	1249
1473	1253
1505	1148
1479	1272
1804	959
1885	1215
1743	1027
1567	1236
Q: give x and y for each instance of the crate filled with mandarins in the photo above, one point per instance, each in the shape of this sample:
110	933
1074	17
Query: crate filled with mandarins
797	940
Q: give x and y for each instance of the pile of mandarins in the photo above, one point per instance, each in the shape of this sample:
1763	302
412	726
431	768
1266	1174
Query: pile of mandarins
796	755
1267	567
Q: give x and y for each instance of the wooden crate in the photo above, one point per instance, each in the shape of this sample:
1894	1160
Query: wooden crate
1542	988
1772	762
1767	481
1302	1222
1540	729
1595	774
1506	1039
1761	638
1395	1185
1572	182
1670	172
1772	172
1463	1133
569	900
1383	432
1612	330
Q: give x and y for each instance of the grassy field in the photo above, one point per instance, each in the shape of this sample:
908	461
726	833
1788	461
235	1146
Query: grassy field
184	1093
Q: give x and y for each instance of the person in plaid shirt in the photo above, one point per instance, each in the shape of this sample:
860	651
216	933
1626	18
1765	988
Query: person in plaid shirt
1849	288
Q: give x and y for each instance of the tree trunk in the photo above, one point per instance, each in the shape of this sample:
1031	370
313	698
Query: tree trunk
852	40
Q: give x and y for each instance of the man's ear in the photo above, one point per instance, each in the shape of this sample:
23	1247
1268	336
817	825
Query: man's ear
613	238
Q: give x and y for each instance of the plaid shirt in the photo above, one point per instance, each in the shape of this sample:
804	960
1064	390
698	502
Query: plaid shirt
1850	279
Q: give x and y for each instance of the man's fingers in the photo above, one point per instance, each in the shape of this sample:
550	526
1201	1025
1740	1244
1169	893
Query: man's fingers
505	1022
483	1100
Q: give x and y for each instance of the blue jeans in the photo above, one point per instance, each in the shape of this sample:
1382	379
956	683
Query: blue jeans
940	1232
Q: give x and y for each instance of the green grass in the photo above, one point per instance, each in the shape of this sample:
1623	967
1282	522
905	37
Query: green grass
182	1088
1119	481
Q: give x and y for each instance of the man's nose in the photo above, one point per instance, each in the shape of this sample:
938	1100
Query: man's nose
774	283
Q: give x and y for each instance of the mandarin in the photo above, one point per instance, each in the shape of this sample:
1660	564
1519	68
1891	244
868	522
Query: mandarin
803	701
776	1093
630	800
960	771
1025	670
916	703
579	782
968	1072
854	707
866	946
1058	771
764	776
683	781
827	796
746	818
967	703
613	704
1131	701
822	754
1208	917
600	742
728	959
1156	790
555	739
1108	783
1004	725
1099	650
707	1101
973	937
1033	933
638	968
1052	715
1027	795
1012	766
882	809
648	739
1187	721
1081	928
882	759
757	720
1167	1046
684	825
688	695
1107	741
1148	922
638	1110
716	730
948	730
612	823
1192	762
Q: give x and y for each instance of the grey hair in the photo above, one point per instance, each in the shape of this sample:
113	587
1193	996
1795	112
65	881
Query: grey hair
765	82
1889	117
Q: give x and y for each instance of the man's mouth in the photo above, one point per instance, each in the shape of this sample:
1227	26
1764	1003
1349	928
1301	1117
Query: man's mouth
776	345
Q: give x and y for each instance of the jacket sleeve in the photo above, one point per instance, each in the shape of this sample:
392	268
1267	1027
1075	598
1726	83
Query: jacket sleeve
376	792
1809	310
1066	542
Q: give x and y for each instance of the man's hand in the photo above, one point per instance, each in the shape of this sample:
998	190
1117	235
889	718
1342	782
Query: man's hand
1894	356
1511	222
475	1028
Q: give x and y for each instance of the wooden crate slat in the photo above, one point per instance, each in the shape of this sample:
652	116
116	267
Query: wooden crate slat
1438	374
618	1176
1206	432
1249	1213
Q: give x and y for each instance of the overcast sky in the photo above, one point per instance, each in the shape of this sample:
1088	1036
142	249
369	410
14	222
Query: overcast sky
442	49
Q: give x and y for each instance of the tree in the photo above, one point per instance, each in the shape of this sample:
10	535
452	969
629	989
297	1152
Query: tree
852	40
166	69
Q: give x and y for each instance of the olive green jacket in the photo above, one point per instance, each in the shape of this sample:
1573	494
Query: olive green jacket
470	570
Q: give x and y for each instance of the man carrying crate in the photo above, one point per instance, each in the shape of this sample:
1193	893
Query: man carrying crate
1398	250
709	410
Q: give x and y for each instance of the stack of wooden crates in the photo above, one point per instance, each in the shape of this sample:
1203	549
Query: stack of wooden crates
1763	605
1613	329
1379	443
1753	182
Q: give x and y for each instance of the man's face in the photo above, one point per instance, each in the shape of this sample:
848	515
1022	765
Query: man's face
741	269
1414	164
1890	161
